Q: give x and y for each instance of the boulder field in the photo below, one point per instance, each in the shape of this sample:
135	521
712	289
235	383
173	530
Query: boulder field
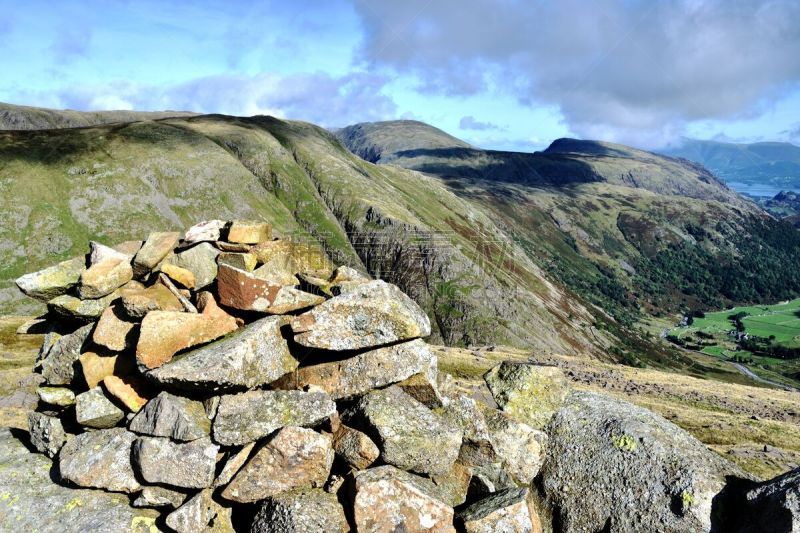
223	379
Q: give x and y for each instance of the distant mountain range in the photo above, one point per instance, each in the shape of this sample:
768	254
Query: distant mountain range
759	169
561	251
18	117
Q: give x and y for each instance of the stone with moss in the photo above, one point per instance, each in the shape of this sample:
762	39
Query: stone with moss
190	465
100	459
531	393
53	281
93	409
153	251
58	396
46	432
58	364
176	417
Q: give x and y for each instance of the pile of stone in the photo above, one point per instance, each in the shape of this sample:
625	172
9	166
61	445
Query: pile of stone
235	381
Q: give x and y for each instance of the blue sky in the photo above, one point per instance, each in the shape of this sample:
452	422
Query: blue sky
506	74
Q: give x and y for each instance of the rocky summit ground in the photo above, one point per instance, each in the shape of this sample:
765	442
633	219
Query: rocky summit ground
220	379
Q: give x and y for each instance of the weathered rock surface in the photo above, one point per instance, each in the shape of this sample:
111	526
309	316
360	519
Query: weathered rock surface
389	499
300	512
249	232
158	496
249	416
172	416
58	364
154	249
505	511
242	290
138	302
53	281
113	331
410	435
164	333
530	393
355	447
209	230
31	501
294	458
47	433
612	463
241	260
254	355
201	513
454	485
60	396
773	505
93	409
100	459
96	367
366	371
183	276
74	308
200	260
372	314
517	445
100	252
190	465
233	463
131	391
104	277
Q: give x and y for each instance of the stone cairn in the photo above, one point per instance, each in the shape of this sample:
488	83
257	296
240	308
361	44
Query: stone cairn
236	382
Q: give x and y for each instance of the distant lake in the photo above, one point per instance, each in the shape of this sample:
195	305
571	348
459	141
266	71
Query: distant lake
754	189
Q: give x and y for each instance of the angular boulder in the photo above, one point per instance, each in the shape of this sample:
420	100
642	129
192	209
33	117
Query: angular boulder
249	416
252	356
243	261
53	281
249	232
518	446
300	511
153	251
371	314
58	364
100	252
209	230
355	447
100	459
46	432
201	513
505	510
104	277
172	416
96	367
74	308
410	435
294	458
389	499
131	391
113	330
233	463
183	276
530	393
200	260
58	396
242	290
772	505
158	496
136	303
164	333
610	462
93	409
189	465
361	373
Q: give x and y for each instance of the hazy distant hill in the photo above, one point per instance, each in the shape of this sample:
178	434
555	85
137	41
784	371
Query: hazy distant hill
16	117
772	164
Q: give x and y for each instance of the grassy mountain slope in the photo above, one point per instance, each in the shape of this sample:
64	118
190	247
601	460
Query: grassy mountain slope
17	117
636	234
117	182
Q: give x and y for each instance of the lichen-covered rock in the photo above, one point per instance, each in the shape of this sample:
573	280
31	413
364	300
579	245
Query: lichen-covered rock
154	249
201	513
31	501
46	432
504	511
252	356
241	260
294	458
172	416
131	391
233	463
59	396
249	416
200	260
113	331
355	447
530	393
300	512
361	373
158	496
423	388
58	364
100	459
518	446
410	435
208	230
86	310
93	409
610	462
242	290
164	333
454	484
189	465
103	278
389	499
53	281
371	314
249	232
137	302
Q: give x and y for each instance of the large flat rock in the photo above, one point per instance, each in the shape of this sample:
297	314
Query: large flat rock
31	501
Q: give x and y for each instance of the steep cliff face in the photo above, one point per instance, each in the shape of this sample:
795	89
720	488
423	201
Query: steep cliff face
111	183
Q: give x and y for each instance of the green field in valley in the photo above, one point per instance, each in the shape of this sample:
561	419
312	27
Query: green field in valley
769	336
